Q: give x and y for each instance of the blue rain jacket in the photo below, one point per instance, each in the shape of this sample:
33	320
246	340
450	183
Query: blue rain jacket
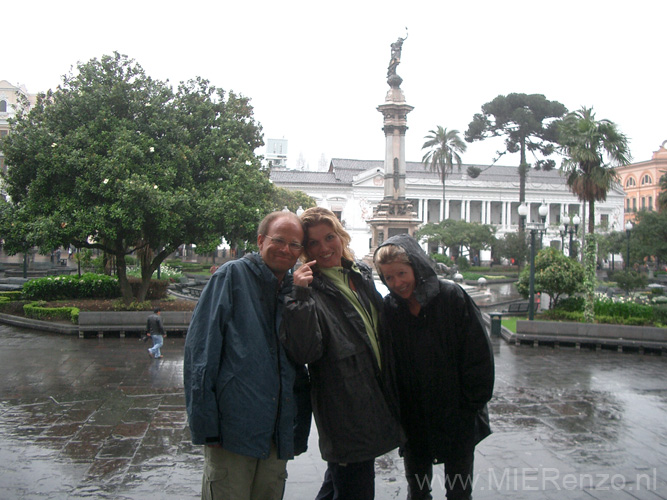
238	381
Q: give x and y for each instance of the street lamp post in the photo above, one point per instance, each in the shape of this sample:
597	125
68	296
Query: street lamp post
523	212
561	229
628	228
566	223
543	211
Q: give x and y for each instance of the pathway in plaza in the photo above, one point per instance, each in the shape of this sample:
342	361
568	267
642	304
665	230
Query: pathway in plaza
97	418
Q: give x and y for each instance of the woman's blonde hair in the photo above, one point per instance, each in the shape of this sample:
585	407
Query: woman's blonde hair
320	215
388	254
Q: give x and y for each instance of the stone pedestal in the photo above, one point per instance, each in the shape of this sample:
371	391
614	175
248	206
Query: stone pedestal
392	217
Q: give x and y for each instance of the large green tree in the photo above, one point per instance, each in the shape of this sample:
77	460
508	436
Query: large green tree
458	234
512	246
591	149
116	161
291	199
527	122
444	148
648	238
611	243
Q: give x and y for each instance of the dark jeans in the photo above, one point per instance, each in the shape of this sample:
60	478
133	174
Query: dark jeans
458	475
348	482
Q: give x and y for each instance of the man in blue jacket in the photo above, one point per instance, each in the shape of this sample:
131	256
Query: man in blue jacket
238	380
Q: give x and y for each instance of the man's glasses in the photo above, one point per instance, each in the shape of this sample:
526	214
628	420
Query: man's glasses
293	246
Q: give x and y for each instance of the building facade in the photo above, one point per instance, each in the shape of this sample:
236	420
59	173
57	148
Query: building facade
641	182
353	188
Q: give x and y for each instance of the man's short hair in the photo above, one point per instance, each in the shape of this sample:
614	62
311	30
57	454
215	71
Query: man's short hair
156	310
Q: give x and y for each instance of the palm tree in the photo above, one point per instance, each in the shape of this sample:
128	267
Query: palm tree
445	146
586	143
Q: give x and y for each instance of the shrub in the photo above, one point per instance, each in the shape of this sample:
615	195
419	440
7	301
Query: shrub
629	280
660	314
444	259
166	273
88	286
563	315
555	274
572	304
36	310
9	296
119	305
622	309
463	263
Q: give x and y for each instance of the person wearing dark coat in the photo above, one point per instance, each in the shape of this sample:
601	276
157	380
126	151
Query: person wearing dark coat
155	330
332	321
444	368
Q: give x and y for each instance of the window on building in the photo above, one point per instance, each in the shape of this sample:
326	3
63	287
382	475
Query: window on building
630	182
604	221
634	204
646	180
627	207
3	106
643	203
650	203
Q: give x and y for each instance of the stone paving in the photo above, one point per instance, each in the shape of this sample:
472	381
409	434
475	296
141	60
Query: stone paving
97	418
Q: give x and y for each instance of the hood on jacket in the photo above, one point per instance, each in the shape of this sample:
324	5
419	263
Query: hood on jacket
427	283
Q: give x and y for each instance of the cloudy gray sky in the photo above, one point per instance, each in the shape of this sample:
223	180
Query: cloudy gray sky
316	71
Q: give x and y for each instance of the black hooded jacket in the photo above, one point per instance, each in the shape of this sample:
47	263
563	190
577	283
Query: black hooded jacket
444	362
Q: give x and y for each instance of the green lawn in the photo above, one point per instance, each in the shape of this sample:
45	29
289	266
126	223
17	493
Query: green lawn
510	323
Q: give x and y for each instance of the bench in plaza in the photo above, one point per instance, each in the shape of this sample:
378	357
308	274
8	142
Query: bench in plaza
100	322
519	308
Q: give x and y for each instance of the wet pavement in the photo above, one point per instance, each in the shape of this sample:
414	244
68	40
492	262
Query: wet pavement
97	418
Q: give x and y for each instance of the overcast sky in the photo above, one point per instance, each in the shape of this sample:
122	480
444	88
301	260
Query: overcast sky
316	71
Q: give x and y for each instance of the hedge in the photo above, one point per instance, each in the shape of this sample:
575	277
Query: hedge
36	310
87	286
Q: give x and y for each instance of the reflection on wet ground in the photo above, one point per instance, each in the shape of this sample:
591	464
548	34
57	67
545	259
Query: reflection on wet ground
97	418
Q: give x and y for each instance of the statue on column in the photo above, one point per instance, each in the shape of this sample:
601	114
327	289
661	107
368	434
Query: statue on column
392	78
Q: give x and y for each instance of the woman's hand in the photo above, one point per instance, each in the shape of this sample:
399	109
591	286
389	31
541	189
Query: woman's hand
304	275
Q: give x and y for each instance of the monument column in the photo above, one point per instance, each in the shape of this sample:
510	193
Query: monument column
394	214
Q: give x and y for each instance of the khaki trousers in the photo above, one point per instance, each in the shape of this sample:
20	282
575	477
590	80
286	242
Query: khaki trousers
229	476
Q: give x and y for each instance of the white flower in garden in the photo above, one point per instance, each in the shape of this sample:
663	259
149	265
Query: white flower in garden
105	181
248	162
154	186
148	104
151	149
53	144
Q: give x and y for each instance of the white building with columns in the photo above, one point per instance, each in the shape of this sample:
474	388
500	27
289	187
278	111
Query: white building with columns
352	188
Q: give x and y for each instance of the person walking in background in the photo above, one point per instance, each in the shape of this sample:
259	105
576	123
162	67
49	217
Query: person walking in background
155	330
332	322
239	383
444	368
